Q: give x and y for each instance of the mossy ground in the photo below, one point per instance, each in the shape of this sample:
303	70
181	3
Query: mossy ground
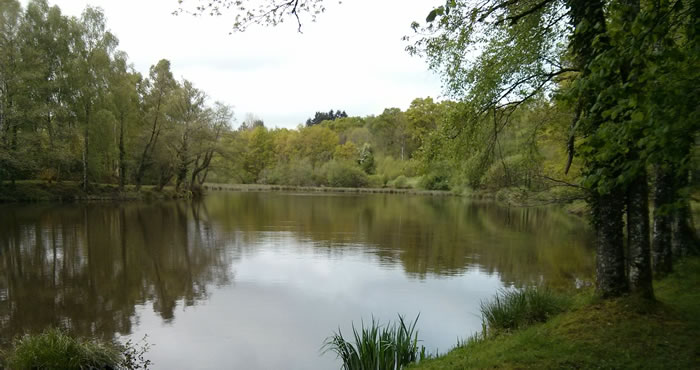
625	333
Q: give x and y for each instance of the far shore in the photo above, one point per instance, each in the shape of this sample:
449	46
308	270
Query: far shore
320	189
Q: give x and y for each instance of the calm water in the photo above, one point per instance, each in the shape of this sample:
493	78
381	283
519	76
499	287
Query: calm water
259	280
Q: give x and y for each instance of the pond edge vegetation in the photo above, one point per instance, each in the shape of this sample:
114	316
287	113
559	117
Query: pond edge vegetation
582	330
56	349
536	327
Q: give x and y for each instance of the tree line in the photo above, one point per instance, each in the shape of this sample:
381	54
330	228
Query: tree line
72	107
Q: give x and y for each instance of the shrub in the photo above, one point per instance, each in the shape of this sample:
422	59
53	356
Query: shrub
400	182
516	308
435	181
296	173
392	168
54	349
376	181
344	174
378	347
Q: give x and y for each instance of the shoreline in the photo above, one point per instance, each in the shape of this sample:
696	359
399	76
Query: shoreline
626	332
37	191
320	189
70	192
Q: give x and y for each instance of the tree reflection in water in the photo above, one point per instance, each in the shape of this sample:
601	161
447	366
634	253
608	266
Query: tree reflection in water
88	267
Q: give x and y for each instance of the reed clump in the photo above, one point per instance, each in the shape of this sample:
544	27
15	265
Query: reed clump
378	347
513	309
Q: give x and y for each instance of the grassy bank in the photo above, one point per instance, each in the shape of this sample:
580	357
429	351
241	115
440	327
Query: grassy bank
69	191
614	334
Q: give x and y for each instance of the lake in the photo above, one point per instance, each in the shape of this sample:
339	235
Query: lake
259	280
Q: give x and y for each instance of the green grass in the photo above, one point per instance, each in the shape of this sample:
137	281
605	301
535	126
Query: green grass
55	350
377	347
624	333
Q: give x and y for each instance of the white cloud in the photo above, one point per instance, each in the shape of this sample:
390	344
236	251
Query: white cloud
353	58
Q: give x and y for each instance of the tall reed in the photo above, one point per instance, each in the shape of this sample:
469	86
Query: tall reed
515	308
378	347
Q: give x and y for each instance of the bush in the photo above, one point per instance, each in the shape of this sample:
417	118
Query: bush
435	181
344	175
376	181
400	182
392	168
516	308
54	349
296	173
378	347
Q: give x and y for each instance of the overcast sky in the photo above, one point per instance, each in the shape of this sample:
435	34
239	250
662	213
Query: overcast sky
351	59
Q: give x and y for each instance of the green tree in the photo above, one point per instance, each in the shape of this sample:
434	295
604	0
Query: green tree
94	46
366	159
601	48
159	87
216	123
126	86
10	85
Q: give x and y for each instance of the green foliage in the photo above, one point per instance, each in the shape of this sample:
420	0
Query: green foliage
366	159
511	171
296	172
380	347
376	181
344	175
72	106
346	152
54	349
512	309
437	177
400	182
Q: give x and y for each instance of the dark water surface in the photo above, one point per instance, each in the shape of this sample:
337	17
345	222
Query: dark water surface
259	280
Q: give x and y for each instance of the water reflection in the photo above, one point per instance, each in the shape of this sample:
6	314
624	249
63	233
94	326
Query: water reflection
239	273
85	267
427	235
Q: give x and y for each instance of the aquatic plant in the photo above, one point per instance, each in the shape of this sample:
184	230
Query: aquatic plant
378	347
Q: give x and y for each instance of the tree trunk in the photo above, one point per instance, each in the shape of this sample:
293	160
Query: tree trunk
610	258
86	151
164	178
640	275
684	241
148	150
661	239
122	155
183	156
